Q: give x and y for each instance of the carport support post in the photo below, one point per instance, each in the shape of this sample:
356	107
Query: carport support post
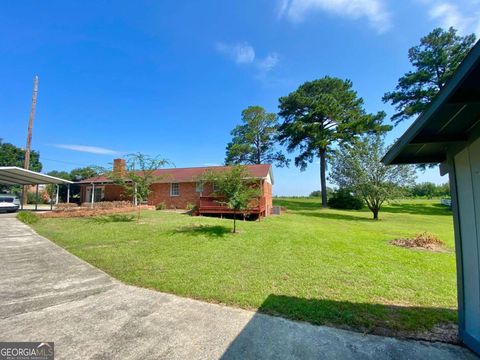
56	194
68	193
23	197
93	195
36	197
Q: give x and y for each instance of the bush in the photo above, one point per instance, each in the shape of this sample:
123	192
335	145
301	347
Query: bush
161	206
344	199
318	193
32	198
190	206
27	217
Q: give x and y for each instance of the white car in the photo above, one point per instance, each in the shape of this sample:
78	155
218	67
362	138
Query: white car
9	203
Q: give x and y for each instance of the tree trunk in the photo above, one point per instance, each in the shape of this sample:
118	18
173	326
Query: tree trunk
234	222
323	181
375	214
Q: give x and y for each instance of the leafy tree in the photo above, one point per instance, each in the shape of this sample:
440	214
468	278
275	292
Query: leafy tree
235	189
10	155
78	174
52	188
344	199
253	142
60	174
319	114
358	167
138	176
443	190
434	60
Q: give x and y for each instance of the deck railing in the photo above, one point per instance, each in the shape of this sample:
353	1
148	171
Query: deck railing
214	204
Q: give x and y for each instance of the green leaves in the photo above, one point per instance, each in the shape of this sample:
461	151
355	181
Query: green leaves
435	60
10	155
321	113
234	186
358	166
139	175
253	142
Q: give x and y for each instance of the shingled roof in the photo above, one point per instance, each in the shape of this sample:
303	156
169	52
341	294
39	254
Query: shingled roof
261	171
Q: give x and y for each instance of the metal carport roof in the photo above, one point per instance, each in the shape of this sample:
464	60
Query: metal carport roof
452	119
12	175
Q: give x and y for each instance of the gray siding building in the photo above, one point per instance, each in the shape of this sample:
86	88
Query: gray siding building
448	132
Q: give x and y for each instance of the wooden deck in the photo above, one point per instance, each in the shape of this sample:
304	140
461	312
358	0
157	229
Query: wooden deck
212	205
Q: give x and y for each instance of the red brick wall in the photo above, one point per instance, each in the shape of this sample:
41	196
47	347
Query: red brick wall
267	192
188	195
114	192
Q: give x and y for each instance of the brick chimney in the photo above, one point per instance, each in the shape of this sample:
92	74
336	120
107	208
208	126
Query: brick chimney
119	167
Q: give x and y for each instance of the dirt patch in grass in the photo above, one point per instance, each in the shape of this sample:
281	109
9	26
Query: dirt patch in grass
423	241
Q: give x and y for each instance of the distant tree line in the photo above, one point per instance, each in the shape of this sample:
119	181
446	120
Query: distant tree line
428	190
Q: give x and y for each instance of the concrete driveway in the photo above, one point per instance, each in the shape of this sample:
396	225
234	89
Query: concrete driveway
47	294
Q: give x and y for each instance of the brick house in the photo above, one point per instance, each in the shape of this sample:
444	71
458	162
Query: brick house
179	188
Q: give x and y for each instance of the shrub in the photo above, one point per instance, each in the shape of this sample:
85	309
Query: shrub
344	199
88	212
161	206
32	198
27	217
318	193
190	206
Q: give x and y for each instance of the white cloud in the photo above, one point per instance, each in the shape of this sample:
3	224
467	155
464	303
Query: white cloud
373	10
268	63
241	53
454	14
244	54
87	149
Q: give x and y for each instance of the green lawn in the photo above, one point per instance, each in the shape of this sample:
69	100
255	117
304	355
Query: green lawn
321	266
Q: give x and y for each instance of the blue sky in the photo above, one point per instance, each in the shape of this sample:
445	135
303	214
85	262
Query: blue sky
171	77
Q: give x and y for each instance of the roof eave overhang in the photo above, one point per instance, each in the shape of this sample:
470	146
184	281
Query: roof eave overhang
13	175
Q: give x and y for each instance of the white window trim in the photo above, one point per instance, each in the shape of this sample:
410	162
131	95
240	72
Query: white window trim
199	187
171	189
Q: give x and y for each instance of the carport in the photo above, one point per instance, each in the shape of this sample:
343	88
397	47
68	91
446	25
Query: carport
448	132
12	175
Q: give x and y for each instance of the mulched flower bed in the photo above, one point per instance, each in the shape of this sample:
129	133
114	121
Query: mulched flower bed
88	212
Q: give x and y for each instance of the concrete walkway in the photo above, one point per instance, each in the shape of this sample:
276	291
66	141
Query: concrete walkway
48	294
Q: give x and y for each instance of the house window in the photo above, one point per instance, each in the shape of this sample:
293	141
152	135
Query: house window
199	187
99	193
215	187
174	189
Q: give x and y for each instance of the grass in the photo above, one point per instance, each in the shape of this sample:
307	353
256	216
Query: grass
322	266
